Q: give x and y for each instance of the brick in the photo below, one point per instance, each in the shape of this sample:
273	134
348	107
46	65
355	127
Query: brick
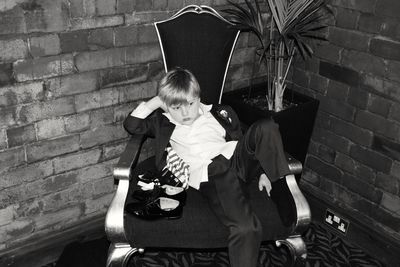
388	183
76	8
339	73
8	116
358	98
395	113
7	215
371	158
366	6
160	4
125	6
362	188
387	8
349	39
377	124
386	218
101	117
59	182
11	158
146	17
51	148
338	91
390	88
324	169
113	151
338	108
105	7
77	122
390	27
332	140
95	172
96	22
364	62
345	163
50	128
97	99
356	134
147	34
379	105
127	35
175	4
326	153
347	18
391	203
77	160
123	75
311	177
21	93
12	21
143	54
387	147
143	5
26	174
138	91
104	186
99	204
393	69
101	39
6	74
11	50
43	67
73	84
369	23
102	135
44	110
45	45
100	59
21	135
65	216
301	78
3	139
19	228
74	41
50	18
368	174
385	48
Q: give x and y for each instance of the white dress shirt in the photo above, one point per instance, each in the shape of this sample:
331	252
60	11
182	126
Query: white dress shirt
197	143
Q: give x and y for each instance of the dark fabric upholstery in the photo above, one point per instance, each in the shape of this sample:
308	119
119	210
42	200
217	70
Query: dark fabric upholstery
198	227
201	43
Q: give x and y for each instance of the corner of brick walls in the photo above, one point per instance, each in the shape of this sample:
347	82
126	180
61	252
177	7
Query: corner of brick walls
70	71
354	155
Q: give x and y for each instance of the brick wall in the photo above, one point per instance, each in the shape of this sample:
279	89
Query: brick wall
354	156
70	71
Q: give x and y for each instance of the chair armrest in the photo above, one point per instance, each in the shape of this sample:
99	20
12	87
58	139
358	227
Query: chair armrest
114	223
295	165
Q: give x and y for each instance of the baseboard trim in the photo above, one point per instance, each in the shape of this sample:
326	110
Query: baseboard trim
51	246
360	234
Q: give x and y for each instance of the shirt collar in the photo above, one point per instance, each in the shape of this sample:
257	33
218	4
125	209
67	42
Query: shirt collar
203	109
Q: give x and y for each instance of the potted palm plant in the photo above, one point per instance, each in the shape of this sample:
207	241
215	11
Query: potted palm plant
285	31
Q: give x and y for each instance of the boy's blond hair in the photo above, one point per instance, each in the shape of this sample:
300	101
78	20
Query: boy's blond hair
177	86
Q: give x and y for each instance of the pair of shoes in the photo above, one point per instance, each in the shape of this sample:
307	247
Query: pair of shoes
283	199
160	199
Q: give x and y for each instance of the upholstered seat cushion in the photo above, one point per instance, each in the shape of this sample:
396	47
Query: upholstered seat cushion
198	227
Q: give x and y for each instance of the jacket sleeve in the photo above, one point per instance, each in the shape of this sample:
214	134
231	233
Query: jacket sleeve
146	126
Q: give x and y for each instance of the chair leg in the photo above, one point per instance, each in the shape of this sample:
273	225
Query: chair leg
119	254
296	246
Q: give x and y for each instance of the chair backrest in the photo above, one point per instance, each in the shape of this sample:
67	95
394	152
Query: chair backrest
199	39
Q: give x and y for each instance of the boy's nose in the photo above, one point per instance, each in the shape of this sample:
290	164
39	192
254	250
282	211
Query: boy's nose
185	111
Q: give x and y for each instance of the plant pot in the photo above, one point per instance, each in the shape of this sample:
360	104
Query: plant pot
296	123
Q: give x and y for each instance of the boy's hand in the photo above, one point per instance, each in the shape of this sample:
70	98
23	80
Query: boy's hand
264	182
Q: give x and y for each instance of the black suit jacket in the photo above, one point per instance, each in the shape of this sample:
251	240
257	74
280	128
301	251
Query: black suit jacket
157	126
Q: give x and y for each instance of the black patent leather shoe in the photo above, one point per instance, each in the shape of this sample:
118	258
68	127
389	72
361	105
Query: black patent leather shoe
159	208
283	199
176	193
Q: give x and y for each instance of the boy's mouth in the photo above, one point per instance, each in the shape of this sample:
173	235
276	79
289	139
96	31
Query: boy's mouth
186	119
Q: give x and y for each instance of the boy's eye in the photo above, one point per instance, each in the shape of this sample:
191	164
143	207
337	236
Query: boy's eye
176	108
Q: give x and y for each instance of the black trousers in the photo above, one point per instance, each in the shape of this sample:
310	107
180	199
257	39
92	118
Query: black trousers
260	150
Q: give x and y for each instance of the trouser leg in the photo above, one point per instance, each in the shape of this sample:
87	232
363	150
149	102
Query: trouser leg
226	198
262	146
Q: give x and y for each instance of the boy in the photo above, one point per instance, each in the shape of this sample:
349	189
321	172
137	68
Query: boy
221	159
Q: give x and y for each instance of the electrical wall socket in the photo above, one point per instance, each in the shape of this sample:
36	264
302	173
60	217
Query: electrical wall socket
335	222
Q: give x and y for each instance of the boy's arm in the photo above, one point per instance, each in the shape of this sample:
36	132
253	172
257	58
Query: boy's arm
139	121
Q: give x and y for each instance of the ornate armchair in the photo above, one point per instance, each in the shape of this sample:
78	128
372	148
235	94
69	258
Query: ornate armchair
199	39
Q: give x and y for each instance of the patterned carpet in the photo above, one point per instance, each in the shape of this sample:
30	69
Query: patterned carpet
324	250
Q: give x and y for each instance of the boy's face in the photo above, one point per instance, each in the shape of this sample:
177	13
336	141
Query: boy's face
185	113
